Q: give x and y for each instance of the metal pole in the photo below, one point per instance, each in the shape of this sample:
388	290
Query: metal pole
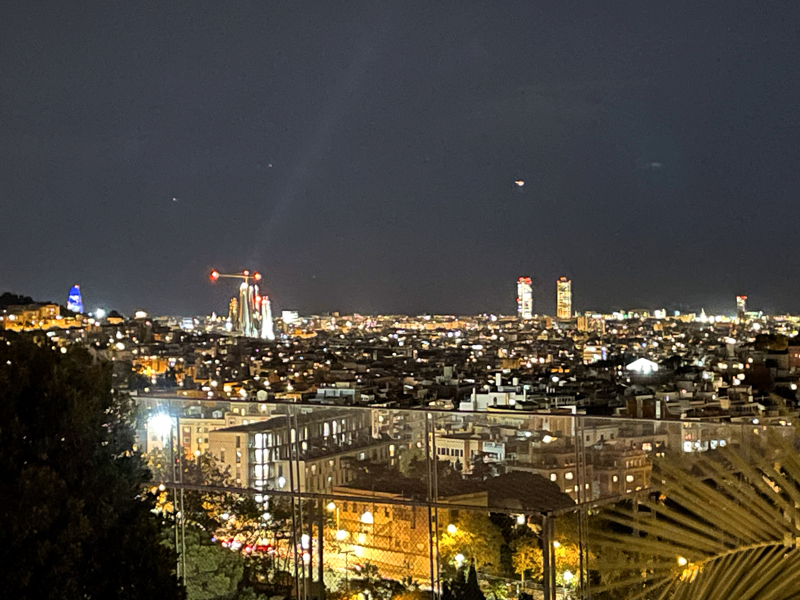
183	515
435	498
581	496
290	454
431	531
320	569
548	559
174	502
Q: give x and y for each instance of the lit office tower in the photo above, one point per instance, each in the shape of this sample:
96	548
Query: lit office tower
74	301
524	298
563	298
741	306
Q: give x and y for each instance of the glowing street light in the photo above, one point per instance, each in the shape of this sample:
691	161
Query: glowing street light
367	518
451	529
331	506
160	424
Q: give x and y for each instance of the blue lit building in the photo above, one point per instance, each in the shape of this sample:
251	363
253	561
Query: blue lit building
74	301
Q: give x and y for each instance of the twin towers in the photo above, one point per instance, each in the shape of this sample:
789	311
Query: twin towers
563	298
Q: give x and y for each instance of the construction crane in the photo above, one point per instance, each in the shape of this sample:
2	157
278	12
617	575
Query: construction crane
244	275
252	315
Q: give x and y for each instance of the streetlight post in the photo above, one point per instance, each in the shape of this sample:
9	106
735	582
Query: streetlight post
162	425
346	569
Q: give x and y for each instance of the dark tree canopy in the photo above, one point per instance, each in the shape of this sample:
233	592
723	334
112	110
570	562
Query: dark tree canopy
8	299
75	520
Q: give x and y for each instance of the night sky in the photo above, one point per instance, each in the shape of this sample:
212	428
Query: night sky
362	155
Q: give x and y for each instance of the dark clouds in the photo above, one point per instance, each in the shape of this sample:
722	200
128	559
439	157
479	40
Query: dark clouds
395	132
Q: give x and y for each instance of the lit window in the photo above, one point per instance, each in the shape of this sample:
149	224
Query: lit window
568	476
553	477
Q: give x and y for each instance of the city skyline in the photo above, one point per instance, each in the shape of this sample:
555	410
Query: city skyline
431	301
250	314
402	158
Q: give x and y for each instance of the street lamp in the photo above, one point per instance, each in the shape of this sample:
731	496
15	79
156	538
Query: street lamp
160	424
568	576
347	554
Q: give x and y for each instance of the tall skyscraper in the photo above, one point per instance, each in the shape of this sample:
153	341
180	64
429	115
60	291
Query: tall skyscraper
741	306
74	301
563	298
524	298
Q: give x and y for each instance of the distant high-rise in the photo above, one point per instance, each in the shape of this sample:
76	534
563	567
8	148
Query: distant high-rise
524	298
563	298
74	300
741	306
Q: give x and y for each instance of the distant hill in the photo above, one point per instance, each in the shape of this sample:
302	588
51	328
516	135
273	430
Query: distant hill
8	299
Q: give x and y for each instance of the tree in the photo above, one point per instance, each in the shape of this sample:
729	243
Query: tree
8	299
476	538
527	557
75	520
472	591
211	572
724	525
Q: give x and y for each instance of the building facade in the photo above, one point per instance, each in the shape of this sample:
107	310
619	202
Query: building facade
524	298
563	298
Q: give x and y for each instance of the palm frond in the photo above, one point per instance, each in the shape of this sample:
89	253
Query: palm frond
726	525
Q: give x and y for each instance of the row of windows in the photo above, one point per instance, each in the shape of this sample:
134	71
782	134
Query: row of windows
569	476
450	452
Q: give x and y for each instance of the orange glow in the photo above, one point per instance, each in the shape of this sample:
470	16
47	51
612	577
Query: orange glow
214	275
257	276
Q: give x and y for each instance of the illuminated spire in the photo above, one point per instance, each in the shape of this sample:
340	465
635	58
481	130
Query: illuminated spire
267	330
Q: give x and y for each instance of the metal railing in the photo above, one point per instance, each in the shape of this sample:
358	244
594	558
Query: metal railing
353	497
